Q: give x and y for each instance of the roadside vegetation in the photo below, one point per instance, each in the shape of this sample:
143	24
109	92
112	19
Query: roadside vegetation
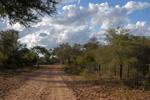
125	57
15	57
119	69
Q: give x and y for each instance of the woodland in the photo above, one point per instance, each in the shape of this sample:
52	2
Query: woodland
125	56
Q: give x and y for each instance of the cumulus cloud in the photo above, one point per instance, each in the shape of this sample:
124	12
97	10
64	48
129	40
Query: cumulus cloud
55	36
72	15
107	17
16	26
76	24
132	6
110	17
140	28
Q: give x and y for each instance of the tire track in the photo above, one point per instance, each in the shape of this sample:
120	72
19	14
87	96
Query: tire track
44	84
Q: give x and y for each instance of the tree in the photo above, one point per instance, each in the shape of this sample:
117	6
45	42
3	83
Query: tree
24	57
63	52
92	44
53	56
8	43
1	59
114	36
47	56
58	53
26	11
39	50
76	49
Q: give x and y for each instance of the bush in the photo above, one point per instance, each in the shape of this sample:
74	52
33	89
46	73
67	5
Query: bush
73	69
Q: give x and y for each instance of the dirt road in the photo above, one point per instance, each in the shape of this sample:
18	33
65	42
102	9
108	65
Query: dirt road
44	84
52	83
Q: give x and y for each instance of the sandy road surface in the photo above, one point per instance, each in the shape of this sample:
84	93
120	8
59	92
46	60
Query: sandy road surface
52	83
44	84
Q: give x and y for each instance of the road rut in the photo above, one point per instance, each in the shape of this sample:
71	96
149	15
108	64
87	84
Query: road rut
44	84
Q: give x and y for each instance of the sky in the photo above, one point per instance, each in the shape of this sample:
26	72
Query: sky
77	21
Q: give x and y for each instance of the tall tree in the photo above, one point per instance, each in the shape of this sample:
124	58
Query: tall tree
39	50
92	44
64	52
8	42
77	49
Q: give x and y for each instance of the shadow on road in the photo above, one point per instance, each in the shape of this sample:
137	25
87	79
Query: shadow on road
50	73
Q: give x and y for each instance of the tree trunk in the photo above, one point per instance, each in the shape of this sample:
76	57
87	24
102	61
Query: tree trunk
115	72
149	77
120	71
63	62
37	63
4	61
137	76
149	74
99	69
89	68
105	69
128	72
68	61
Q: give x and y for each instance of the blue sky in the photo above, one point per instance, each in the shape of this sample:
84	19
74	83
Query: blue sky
143	15
79	20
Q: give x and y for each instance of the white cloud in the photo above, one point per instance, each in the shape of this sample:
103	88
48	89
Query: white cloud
56	36
16	26
107	17
140	28
110	17
67	1
72	15
132	6
77	24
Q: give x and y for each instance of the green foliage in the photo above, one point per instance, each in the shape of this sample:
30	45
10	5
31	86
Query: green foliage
41	50
38	50
29	58
73	69
8	44
23	11
133	52
66	54
1	59
92	44
12	53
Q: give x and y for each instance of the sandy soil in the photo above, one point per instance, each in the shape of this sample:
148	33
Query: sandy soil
52	83
44	84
